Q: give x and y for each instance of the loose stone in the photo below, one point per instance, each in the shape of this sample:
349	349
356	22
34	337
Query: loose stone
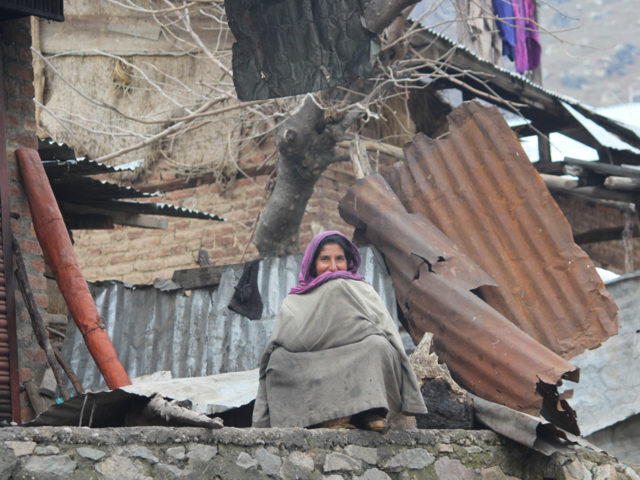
373	474
269	463
162	471
202	453
335	462
629	472
48	450
177	453
492	473
118	468
576	471
415	459
605	472
143	453
446	469
90	453
21	448
58	465
245	461
368	455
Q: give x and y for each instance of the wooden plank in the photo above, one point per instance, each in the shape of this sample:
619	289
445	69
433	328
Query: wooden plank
544	149
622	183
202	277
605	168
39	402
553	168
554	181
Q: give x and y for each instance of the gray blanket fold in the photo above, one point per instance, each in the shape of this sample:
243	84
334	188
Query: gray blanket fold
334	352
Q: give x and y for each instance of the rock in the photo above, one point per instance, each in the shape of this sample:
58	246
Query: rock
297	466
605	472
373	474
8	462
332	477
269	463
48	450
245	461
493	473
446	449
21	448
576	471
368	455
53	466
118	468
453	470
336	462
473	449
162	471
631	473
177	453
415	459
143	453
90	453
202	453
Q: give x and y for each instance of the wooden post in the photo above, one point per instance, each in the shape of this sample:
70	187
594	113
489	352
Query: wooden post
544	149
627	239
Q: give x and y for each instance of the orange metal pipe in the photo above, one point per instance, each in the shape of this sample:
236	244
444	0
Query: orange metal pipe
56	244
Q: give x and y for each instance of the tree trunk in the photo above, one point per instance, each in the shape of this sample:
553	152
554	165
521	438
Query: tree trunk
307	147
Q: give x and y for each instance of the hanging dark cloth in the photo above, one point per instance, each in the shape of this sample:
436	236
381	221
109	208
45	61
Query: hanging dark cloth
507	27
246	300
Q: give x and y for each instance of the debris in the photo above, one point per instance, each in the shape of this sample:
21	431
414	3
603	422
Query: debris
449	405
478	187
204	260
56	244
485	352
246	300
170	412
48	384
39	402
270	61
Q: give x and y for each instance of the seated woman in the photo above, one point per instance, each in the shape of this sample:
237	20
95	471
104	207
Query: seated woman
335	357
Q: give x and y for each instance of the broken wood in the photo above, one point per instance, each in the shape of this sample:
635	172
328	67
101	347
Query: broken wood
37	321
48	384
69	371
171	412
560	183
622	183
39	402
449	405
627	240
191	278
602	235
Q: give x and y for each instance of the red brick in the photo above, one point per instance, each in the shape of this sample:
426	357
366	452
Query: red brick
38	282
22	105
183	224
116	259
30	246
27	414
41	300
28	90
224	241
25	374
12	121
35	355
23	140
167	176
179	194
38	264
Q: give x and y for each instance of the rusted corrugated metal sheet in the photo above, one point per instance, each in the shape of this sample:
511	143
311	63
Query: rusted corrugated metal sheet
485	352
478	187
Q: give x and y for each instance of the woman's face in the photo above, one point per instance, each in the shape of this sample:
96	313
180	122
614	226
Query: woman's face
331	259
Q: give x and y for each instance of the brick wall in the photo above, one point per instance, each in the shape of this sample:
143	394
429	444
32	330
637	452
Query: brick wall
139	255
15	41
583	216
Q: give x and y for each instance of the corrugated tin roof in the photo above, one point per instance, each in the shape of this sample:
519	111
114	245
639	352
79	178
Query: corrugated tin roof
198	335
478	187
609	389
485	353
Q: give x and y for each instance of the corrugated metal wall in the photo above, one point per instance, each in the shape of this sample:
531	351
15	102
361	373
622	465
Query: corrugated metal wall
196	335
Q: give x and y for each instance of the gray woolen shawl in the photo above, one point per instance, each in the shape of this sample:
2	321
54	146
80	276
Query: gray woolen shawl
334	352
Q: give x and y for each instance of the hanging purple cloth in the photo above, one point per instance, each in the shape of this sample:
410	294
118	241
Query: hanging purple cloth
507	27
528	48
307	282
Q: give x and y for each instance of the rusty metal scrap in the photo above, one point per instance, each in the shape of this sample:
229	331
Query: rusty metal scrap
485	352
479	188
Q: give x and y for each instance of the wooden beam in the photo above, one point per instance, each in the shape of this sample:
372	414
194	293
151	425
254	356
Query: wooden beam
118	218
544	149
622	183
602	235
561	183
627	240
202	277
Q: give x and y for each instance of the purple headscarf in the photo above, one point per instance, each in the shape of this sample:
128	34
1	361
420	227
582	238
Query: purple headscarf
307	282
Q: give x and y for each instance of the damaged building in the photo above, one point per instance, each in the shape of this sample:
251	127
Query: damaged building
474	249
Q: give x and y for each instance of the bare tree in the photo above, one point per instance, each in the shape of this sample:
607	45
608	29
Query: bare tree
306	129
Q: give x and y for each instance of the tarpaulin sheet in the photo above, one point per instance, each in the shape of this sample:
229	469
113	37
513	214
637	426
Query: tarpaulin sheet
292	47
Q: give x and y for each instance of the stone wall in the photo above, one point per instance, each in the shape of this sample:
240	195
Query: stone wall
15	42
583	217
139	255
227	454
